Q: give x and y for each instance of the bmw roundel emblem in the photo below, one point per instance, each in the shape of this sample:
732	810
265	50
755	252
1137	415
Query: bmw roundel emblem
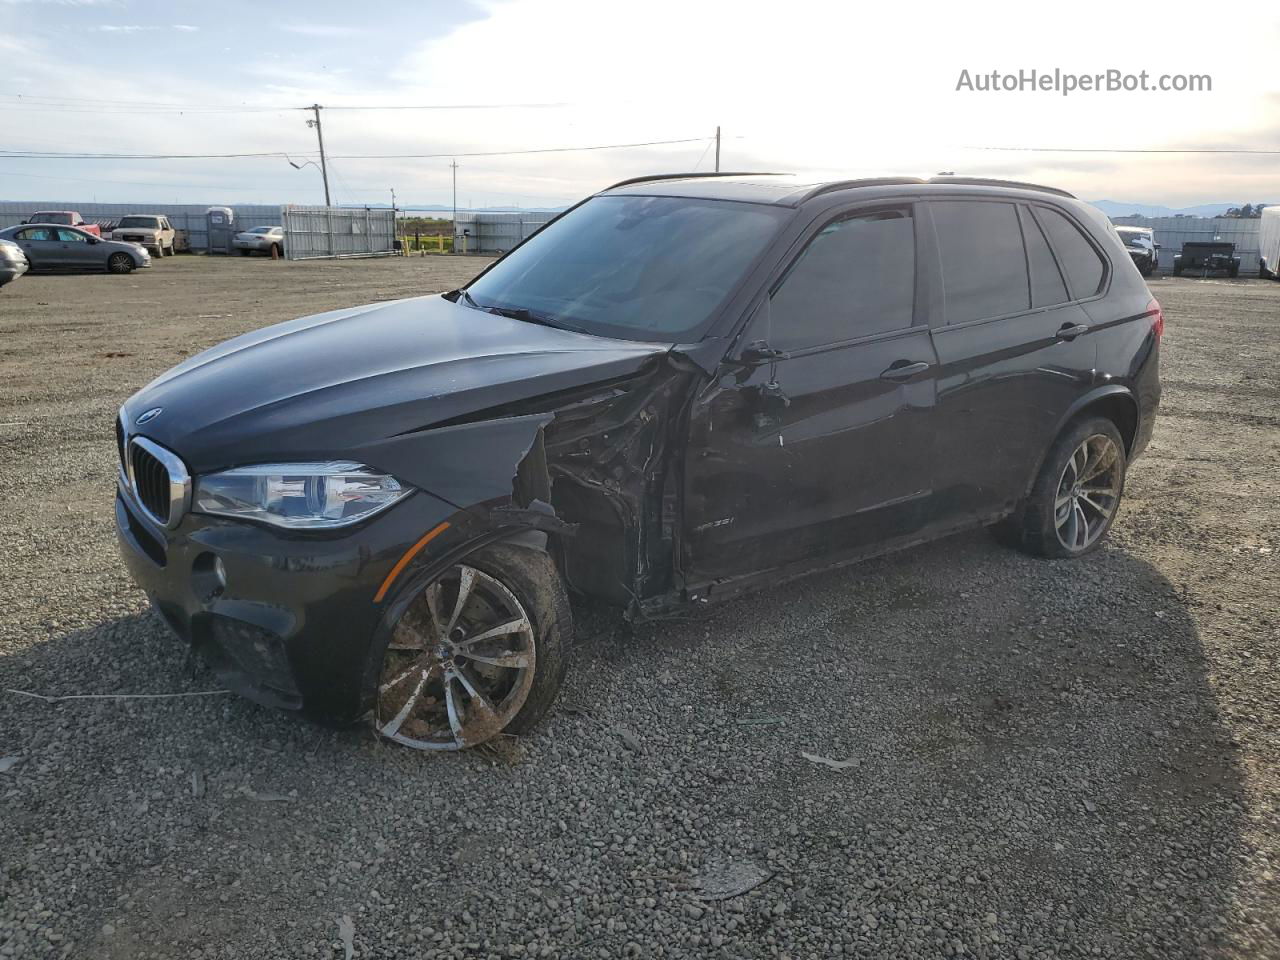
148	416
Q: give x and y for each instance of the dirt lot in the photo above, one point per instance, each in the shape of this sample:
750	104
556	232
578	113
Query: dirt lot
1052	760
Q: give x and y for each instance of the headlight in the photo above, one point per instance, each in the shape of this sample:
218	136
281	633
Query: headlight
307	496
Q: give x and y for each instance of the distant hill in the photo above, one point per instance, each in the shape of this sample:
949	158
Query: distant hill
1113	208
445	208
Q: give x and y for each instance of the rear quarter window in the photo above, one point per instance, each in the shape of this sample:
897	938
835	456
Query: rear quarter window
1080	261
1047	285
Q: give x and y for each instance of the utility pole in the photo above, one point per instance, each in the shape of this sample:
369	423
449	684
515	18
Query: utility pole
324	169
395	223
717	148
454	165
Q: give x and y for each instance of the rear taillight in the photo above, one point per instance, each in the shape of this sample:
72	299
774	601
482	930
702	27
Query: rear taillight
1157	318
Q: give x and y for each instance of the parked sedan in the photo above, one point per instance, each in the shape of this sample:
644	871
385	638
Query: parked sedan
13	262
50	247
263	239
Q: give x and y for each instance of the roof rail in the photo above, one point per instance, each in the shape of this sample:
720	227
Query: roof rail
865	182
686	176
990	182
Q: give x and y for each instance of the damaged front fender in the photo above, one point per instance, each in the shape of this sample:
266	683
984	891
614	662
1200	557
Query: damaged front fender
466	464
602	460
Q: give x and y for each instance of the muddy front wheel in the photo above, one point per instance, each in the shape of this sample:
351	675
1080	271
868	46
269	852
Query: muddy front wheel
479	652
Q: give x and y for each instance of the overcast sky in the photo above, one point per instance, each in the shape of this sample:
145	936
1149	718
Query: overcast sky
823	89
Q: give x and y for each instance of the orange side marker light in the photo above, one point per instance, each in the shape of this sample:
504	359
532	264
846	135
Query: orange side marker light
404	561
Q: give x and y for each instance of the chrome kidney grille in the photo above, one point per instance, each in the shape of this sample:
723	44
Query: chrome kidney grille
157	478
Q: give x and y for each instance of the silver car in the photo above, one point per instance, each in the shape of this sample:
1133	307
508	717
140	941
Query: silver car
262	239
50	247
13	262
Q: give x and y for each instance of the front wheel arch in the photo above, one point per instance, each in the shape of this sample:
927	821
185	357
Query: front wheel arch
527	575
416	580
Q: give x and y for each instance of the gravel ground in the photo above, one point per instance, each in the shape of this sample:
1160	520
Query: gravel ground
1046	759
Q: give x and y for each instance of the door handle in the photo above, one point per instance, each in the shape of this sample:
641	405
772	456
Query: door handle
1071	331
904	371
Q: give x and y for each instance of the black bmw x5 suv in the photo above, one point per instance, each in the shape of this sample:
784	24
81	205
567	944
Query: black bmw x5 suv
681	388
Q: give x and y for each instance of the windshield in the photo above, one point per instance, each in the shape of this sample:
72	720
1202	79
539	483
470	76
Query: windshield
50	217
639	268
147	222
261	230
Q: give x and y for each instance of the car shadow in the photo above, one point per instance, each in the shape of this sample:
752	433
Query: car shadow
1041	737
1035	761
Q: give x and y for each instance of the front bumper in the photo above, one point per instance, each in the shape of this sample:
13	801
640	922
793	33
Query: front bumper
250	244
292	621
11	270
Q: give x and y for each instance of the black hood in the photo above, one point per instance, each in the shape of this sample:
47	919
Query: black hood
335	384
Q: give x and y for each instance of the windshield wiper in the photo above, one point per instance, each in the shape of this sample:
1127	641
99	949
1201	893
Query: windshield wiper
523	314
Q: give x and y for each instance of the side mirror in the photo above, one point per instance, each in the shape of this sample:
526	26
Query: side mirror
93	239
759	351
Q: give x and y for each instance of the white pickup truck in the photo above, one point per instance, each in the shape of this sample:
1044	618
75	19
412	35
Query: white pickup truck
150	230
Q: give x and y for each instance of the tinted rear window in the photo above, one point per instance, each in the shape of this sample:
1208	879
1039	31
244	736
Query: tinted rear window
1080	261
984	267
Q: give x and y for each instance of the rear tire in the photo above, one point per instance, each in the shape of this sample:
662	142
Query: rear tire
120	263
1075	497
443	685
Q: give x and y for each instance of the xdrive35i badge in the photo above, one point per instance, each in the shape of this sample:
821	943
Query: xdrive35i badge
148	416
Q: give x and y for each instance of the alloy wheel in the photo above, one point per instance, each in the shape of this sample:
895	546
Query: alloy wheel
1088	492
459	666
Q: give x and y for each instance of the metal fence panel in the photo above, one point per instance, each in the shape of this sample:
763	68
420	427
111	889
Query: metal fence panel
315	232
496	232
1172	232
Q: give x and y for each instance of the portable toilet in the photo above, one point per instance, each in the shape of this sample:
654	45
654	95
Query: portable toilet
221	224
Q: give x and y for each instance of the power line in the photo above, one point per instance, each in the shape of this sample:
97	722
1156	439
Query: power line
67	155
448	106
36	99
107	107
513	153
145	183
92	105
702	156
60	155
